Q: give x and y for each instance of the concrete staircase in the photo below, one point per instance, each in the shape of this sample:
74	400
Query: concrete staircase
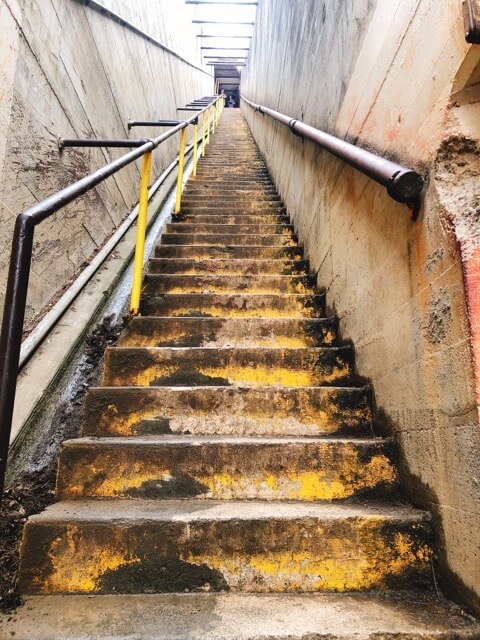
230	448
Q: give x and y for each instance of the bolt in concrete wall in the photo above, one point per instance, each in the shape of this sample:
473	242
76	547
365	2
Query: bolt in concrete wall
67	70
382	74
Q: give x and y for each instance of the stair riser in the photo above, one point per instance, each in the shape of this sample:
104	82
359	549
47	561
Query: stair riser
225	187
219	267
238	306
249	163
232	252
214	173
229	229
228	411
218	240
232	193
264	219
255	183
300	555
232	200
227	367
206	332
231	470
229	284
248	209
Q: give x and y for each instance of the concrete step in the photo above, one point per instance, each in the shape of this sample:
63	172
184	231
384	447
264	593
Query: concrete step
246	208
203	181
217	305
234	252
208	162
232	193
246	218
235	198
228	332
193	226
230	182
223	173
227	266
227	284
191	367
113	546
391	615
309	411
227	186
226	468
228	240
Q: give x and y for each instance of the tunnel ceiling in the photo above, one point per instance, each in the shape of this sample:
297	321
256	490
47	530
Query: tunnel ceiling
224	31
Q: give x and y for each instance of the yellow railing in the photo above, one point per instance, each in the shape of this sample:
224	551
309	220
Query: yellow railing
209	119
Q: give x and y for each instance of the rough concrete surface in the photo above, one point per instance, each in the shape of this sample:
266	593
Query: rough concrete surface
238	617
75	88
396	77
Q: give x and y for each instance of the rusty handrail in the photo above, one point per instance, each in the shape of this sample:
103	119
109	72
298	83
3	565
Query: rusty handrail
19	272
402	184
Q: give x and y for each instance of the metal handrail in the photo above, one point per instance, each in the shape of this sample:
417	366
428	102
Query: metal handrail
402	184
22	249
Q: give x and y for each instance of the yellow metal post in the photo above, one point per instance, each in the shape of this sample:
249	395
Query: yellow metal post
209	124
141	230
181	167
195	148
204	132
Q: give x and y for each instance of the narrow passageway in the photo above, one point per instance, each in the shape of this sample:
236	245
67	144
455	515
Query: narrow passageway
230	448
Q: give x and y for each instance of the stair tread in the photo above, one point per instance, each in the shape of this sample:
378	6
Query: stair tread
137	510
237	616
240	389
266	321
193	441
245	294
227	350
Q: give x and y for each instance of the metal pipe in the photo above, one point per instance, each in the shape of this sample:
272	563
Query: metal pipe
195	148
50	319
85	142
152	123
141	231
204	134
181	165
19	270
12	328
402	184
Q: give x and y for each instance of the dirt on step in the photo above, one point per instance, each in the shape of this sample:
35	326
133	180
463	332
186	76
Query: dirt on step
34	490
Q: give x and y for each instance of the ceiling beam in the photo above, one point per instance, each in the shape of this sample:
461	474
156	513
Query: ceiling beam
204	35
251	3
227	48
221	22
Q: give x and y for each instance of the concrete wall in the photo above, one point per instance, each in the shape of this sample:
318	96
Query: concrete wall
396	77
67	70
